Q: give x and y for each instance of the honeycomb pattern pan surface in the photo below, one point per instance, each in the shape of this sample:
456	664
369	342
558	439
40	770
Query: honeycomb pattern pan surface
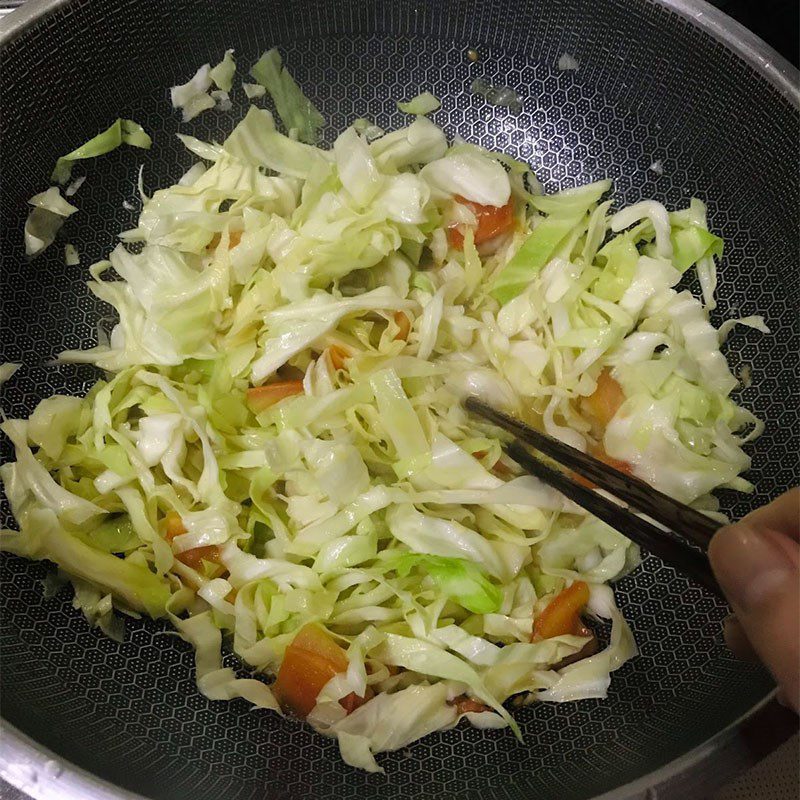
651	86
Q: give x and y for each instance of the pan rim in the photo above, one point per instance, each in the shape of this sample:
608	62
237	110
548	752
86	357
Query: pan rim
741	41
764	59
19	753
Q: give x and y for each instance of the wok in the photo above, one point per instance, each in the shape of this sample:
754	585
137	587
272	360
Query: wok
672	81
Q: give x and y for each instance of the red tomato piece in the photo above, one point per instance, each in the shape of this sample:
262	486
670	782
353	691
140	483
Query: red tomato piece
466	705
195	557
310	661
404	323
491	221
562	614
606	399
260	398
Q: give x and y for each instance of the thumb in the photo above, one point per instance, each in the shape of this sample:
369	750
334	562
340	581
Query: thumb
758	568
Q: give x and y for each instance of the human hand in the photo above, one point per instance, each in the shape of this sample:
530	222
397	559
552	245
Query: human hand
757	564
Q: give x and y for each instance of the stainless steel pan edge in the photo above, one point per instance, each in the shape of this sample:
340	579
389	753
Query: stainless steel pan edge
44	776
744	43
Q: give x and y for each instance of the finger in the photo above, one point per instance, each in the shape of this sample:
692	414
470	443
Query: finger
737	640
784	700
782	514
758	571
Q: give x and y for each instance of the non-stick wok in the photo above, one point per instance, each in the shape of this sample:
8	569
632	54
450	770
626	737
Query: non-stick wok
672	82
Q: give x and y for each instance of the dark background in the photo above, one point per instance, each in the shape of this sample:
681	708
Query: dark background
777	22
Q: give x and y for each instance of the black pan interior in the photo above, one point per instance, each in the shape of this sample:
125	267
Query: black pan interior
651	87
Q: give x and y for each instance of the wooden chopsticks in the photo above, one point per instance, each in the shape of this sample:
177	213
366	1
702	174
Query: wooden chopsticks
677	519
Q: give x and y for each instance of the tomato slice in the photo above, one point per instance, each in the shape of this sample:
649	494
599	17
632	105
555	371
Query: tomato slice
338	355
192	558
260	398
606	399
602	406
466	705
491	222
234	237
598	451
353	701
502	470
175	526
562	614
404	323
195	557
310	661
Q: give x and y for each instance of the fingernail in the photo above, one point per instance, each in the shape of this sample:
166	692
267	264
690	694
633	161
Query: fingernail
750	565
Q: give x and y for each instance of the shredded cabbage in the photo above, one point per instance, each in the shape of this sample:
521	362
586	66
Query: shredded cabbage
567	62
222	74
123	131
7	370
279	438
423	103
296	111
502	96
73	187
71	256
49	211
254	90
194	96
